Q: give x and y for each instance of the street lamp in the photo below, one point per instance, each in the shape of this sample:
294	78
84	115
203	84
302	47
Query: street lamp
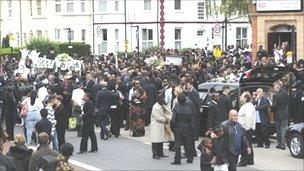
69	37
137	37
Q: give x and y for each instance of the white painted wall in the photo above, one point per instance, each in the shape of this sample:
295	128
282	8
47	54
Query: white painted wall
111	20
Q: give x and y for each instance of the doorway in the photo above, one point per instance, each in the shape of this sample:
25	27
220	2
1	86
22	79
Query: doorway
280	34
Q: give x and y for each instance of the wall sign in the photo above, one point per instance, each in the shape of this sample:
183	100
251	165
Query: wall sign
279	5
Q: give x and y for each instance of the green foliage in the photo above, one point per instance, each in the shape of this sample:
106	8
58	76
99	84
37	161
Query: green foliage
41	44
122	54
78	49
228	8
10	52
151	50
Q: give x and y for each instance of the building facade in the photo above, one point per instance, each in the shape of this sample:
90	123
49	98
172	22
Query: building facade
175	24
23	19
105	25
276	22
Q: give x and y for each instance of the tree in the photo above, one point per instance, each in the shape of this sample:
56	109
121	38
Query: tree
228	8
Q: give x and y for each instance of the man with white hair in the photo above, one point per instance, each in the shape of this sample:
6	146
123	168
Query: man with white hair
280	108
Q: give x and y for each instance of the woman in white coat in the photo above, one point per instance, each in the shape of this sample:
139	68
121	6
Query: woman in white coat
157	131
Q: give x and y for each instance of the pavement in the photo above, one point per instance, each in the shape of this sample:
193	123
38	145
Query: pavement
134	153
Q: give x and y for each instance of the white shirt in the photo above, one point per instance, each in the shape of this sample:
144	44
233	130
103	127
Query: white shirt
168	97
247	116
42	93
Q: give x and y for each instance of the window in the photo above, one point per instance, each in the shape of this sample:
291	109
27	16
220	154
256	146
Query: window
116	40
39	33
177	4
200	32
57	5
241	36
38	3
83	35
10	8
70	6
31	7
201	10
102	5
103	47
82	3
147	38
57	34
116	5
147	4
178	37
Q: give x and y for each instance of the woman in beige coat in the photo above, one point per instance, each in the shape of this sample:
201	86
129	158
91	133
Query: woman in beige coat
157	132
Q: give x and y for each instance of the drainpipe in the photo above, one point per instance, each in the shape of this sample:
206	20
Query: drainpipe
21	33
93	30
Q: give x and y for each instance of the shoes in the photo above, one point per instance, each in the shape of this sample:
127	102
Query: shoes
107	137
250	163
126	129
258	146
93	151
156	157
189	160
116	136
241	165
281	147
176	162
267	146
164	155
82	152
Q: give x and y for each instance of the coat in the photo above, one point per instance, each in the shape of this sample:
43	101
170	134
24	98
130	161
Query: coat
88	117
169	136
21	155
7	162
41	151
262	107
157	128
224	105
280	105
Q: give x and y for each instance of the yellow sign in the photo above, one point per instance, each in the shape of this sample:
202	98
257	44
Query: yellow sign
217	53
289	57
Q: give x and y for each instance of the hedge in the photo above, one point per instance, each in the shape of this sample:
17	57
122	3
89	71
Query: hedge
43	46
11	52
80	49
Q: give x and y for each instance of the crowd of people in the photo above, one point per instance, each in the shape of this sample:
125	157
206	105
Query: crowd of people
128	93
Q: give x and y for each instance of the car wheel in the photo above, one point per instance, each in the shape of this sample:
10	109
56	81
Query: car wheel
296	145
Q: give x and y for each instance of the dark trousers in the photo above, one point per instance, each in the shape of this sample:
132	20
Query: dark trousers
248	158
183	137
232	160
157	149
262	135
281	128
10	124
115	122
197	127
60	136
84	141
103	128
148	116
125	113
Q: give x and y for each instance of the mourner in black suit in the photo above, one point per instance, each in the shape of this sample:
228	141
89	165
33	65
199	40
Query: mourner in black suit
262	105
224	104
62	120
196	105
103	103
213	113
235	138
182	127
280	109
88	125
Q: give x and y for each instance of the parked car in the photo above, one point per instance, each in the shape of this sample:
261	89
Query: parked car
295	140
251	80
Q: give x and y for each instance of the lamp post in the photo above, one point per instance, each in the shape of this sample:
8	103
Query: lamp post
137	38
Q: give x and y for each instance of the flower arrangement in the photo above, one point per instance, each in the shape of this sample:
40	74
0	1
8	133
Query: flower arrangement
63	57
155	62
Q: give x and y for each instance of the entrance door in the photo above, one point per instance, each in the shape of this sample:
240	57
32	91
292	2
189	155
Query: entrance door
279	37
